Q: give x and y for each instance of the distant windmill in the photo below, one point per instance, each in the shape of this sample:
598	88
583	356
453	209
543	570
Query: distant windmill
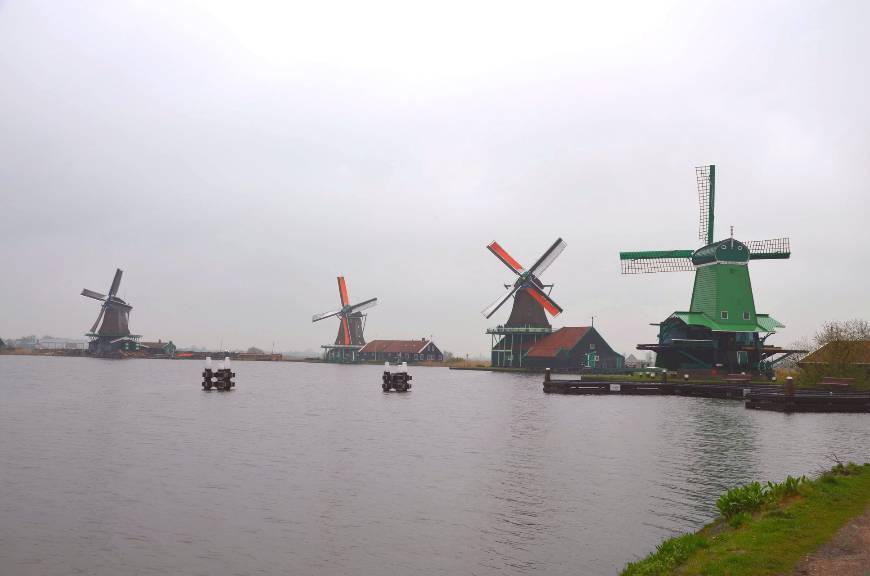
528	319
721	327
351	326
112	322
530	297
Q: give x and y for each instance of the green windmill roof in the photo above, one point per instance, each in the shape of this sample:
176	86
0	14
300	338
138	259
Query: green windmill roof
765	323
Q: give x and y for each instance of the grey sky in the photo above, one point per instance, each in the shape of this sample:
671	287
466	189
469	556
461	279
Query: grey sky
233	158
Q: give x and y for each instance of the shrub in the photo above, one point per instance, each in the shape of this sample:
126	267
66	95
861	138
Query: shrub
748	498
779	490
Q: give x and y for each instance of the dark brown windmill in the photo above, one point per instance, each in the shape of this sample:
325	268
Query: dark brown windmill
528	319
351	326
111	330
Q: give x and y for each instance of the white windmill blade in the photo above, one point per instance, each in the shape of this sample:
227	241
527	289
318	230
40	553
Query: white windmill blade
548	257
317	317
365	305
492	308
92	294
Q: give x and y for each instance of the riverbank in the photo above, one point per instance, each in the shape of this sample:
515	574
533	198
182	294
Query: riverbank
775	529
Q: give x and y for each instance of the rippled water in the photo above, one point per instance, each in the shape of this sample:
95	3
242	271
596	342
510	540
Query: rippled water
127	467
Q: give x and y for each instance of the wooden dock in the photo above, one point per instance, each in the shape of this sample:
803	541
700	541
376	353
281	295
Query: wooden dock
755	396
810	401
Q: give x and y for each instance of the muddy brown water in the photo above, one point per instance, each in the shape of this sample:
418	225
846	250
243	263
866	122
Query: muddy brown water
127	467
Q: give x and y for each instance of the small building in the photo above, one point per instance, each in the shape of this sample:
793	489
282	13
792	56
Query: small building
60	344
159	348
573	348
400	351
632	362
847	358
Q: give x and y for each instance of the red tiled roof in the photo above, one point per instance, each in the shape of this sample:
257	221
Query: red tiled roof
562	339
395	346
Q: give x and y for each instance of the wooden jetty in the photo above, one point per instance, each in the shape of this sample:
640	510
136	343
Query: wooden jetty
755	395
810	401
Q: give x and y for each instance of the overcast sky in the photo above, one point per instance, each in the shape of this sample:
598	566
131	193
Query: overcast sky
234	157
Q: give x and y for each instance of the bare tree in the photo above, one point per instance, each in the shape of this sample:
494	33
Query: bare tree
848	331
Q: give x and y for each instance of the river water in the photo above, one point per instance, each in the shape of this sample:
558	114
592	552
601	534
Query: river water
128	467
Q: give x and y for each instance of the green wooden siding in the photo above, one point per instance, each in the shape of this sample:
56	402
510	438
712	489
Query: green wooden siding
725	288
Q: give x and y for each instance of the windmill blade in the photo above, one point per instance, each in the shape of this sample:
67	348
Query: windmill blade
544	300
99	317
345	330
506	258
548	257
342	291
492	308
116	282
773	249
92	294
318	317
706	177
656	261
365	305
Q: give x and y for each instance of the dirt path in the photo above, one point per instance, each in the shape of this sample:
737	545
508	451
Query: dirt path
848	554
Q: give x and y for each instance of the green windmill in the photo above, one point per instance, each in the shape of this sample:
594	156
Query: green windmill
721	329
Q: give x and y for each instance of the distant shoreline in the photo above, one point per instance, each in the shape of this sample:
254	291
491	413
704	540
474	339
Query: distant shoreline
235	356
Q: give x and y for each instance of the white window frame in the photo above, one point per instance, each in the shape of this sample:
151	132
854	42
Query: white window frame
723	315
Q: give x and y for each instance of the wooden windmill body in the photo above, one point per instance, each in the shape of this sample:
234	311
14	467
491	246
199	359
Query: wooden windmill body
110	333
528	321
350	338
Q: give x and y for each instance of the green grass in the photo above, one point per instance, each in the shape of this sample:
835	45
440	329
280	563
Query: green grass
791	519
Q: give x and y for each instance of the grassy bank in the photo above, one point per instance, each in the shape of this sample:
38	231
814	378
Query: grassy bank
765	529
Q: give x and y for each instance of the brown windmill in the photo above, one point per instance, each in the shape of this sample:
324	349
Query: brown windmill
111	330
350	329
528	319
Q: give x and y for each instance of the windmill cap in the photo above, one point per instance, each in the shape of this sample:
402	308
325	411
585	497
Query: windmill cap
728	250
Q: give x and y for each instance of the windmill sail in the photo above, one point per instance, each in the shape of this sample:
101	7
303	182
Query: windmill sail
530	299
656	261
92	294
499	302
363	306
351	317
548	257
706	177
773	249
506	258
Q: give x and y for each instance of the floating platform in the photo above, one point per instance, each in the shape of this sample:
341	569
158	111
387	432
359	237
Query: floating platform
755	396
398	381
221	379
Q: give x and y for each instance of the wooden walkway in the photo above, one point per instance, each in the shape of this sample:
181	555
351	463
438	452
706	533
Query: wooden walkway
755	396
